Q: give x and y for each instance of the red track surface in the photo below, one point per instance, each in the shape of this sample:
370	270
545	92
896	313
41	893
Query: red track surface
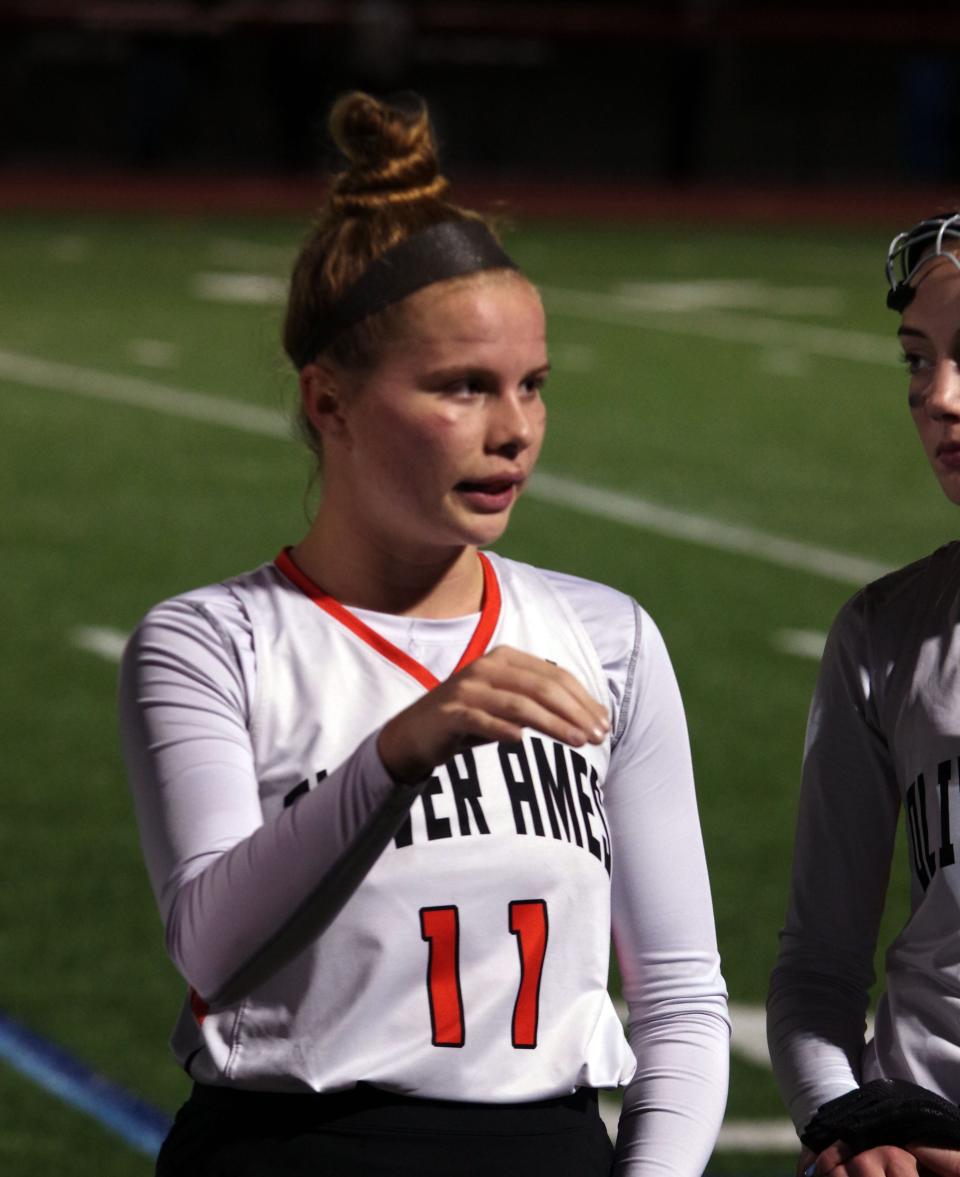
127	192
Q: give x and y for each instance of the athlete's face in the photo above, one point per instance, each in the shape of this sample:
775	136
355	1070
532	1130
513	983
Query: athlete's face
439	439
930	336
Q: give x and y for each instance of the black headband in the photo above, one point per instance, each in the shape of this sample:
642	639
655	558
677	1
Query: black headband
442	251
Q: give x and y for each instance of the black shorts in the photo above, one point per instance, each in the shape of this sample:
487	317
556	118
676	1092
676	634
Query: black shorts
227	1132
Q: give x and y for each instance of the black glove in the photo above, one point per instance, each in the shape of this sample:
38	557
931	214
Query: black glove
884	1111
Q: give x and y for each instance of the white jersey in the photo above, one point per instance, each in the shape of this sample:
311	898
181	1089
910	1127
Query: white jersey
471	961
883	737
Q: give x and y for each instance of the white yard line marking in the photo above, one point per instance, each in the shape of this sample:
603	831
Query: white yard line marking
700	529
724	293
758	1136
833	342
254	289
140	393
100	640
749	1033
616	506
153	353
804	643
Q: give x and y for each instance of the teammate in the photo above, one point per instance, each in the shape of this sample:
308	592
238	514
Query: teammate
394	792
884	736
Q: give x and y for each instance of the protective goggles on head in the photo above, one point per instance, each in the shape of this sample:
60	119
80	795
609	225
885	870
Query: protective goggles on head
909	252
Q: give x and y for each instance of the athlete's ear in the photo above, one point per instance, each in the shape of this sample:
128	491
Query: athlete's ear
320	397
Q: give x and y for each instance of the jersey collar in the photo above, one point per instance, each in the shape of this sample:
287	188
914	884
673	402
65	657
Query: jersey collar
476	647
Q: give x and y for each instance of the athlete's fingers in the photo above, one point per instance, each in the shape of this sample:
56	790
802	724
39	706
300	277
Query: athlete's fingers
883	1161
551	686
533	701
886	1160
493	699
438	726
557	674
422	736
568	724
835	1154
806	1160
941	1162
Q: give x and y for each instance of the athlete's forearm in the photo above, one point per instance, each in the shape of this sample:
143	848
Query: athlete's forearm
846	825
664	932
673	1109
815	1033
255	907
238	895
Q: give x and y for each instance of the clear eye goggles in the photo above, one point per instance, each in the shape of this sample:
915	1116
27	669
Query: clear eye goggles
909	252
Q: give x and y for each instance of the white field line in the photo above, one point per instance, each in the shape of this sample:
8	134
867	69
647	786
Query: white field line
613	505
140	393
100	640
254	289
758	1136
700	529
804	643
618	310
723	293
749	1033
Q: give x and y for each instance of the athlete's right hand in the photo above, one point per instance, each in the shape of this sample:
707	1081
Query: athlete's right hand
886	1160
492	699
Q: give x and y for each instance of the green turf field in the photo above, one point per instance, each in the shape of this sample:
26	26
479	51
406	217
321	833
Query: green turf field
748	377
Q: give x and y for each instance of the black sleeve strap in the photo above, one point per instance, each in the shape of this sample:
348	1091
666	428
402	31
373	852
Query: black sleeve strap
884	1111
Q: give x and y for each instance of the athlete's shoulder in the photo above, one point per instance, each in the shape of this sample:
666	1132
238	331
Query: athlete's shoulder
612	619
939	566
928	583
215	618
221	604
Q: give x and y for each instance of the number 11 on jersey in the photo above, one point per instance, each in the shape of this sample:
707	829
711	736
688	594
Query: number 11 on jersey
440	928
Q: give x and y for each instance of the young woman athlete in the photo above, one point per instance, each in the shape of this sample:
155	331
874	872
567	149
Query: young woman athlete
394	792
884	736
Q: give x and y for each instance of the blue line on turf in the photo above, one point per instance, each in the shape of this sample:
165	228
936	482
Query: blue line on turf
142	1126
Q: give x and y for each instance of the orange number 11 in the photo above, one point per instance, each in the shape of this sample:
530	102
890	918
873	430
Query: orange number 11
440	927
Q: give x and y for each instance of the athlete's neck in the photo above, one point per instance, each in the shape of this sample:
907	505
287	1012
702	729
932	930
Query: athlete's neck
358	571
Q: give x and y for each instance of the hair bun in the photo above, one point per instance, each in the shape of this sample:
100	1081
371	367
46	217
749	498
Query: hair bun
390	152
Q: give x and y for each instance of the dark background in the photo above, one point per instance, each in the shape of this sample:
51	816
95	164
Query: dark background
675	94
